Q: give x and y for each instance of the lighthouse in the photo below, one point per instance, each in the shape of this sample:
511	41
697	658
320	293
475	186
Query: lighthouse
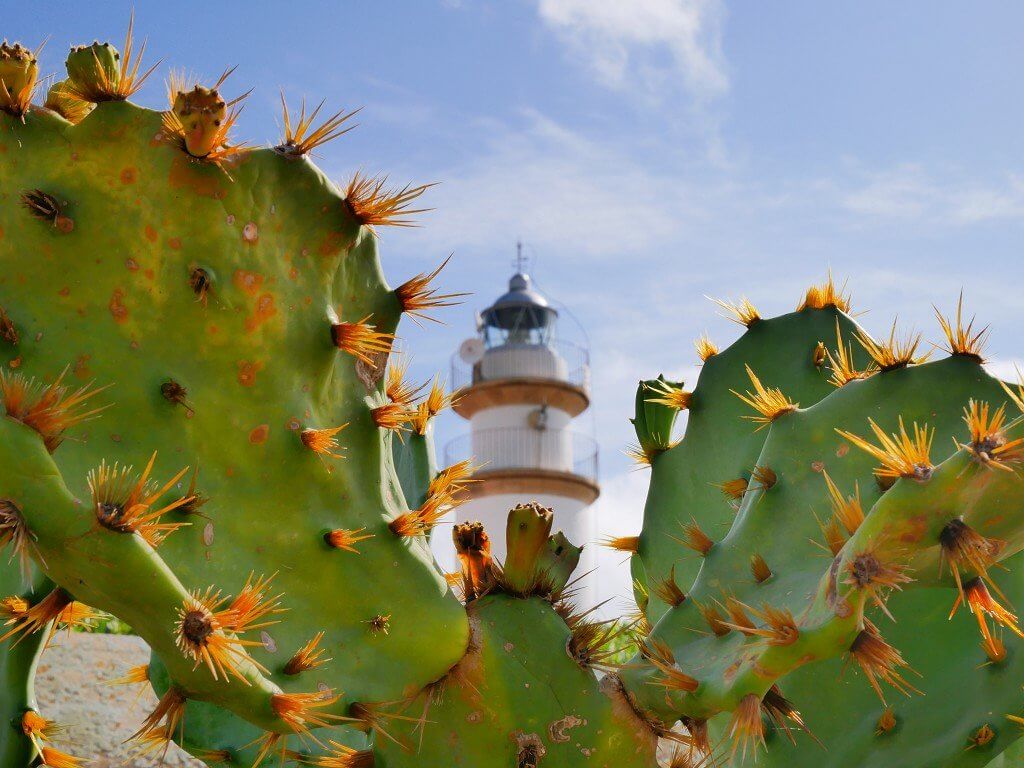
522	387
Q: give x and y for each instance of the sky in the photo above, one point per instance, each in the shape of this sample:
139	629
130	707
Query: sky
648	153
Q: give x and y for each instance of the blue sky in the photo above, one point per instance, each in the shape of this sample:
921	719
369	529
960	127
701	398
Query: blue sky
648	153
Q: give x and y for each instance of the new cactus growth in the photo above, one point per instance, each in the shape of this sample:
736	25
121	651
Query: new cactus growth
208	433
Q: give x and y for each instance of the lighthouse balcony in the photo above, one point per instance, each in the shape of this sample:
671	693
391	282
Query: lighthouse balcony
524	461
555	373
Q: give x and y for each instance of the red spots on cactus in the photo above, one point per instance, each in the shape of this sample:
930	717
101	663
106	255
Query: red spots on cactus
746	729
879	661
769	403
118	309
8	332
989	443
894	352
416	296
901	454
962	340
742	312
630	544
15	533
264	309
323	441
669	394
668	591
360	339
826	295
310	656
980	602
694	538
258	435
759	568
473	548
372	203
49	409
705	348
166	721
346	538
124	503
304	134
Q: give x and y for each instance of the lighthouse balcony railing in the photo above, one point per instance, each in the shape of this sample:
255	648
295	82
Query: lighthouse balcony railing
555	360
526	448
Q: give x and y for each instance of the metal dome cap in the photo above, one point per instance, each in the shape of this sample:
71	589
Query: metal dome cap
522	308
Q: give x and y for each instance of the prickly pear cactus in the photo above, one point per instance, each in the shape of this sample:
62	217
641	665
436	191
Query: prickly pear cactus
876	494
208	435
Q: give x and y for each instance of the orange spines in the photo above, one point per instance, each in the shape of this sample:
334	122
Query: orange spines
360	339
900	454
250	608
963	547
670	676
592	643
769	403
416	296
765	477
166	721
892	353
695	538
867	571
842	365
825	295
373	204
981	603
14	532
733	489
123	85
960	339
473	547
138	675
746	729
668	591
323	441
396	388
742	312
669	394
779	626
705	348
343	757
57	607
443	494
989	443
714	619
346	538
49	409
301	137
124	504
886	722
435	402
759	568
38	728
301	710
629	544
392	416
879	661
55	758
846	510
309	656
202	620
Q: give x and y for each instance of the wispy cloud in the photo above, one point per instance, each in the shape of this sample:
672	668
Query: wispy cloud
656	44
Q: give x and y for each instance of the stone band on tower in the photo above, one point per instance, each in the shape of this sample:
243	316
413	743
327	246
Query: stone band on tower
520	386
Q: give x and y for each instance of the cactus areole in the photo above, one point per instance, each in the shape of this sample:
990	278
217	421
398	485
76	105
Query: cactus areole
207	434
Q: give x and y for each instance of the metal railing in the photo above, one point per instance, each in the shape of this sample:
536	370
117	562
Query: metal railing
525	448
558	360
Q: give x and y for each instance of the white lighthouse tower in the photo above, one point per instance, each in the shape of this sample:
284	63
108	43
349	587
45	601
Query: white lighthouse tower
521	385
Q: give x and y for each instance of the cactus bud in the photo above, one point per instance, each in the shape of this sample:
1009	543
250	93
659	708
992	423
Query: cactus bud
201	112
18	74
529	526
94	69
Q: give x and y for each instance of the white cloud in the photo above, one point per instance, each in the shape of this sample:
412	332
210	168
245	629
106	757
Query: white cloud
627	43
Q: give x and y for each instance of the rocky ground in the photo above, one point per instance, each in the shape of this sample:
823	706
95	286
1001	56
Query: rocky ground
70	689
